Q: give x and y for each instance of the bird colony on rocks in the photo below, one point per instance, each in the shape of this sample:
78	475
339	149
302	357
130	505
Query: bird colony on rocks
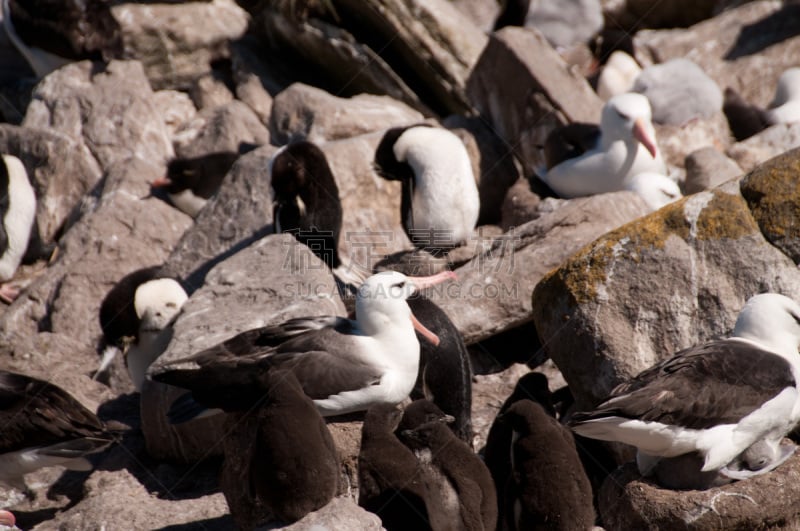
420	264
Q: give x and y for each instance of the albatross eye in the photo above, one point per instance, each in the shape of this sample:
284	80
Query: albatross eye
401	285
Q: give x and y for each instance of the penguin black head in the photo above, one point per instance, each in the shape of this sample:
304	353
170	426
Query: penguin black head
291	168
421	412
386	163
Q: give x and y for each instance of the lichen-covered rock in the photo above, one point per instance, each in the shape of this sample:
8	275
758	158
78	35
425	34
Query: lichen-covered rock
772	192
769	501
492	293
544	93
306	112
177	43
270	281
670	280
111	110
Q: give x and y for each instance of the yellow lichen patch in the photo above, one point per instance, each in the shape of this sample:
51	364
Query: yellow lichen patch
718	216
772	192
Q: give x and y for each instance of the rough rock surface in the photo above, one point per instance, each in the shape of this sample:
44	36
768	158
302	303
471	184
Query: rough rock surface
764	502
678	141
644	291
222	128
178	42
306	112
79	102
123	230
544	94
340	513
492	293
767	144
60	169
708	168
745	48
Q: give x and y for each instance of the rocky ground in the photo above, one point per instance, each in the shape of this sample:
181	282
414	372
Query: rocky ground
600	285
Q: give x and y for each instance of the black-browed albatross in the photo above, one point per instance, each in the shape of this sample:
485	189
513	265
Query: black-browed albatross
731	400
42	425
343	365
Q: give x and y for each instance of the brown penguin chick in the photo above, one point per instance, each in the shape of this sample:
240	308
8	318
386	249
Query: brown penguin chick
421	412
294	468
531	386
458	476
391	482
548	488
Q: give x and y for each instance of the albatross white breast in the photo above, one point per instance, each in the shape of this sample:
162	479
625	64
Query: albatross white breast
627	147
729	400
343	365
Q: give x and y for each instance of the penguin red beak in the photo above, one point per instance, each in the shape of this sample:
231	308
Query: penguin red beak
161	183
7	519
640	134
424	282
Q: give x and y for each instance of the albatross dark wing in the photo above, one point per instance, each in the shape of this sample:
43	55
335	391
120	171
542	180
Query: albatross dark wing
37	413
700	387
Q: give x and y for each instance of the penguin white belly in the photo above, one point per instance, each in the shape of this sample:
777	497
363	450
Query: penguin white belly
19	218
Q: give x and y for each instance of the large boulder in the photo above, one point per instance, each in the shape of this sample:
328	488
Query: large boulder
493	290
543	94
177	42
222	128
111	110
305	112
769	501
761	147
665	282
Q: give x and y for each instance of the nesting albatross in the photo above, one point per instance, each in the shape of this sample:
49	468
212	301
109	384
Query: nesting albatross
343	365
626	147
731	400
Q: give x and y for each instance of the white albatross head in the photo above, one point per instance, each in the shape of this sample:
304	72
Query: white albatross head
771	320
627	117
381	301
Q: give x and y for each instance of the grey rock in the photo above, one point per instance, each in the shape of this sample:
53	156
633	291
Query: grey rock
566	22
176	109
125	229
708	168
769	143
745	48
670	280
60	168
493	290
270	281
628	502
340	513
178	42
209	91
679	91
117	500
255	82
520	205
333	53
222	128
678	141
544	92
482	12
306	112
239	214
111	111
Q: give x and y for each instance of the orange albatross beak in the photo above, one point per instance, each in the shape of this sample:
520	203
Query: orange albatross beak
422	283
640	134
